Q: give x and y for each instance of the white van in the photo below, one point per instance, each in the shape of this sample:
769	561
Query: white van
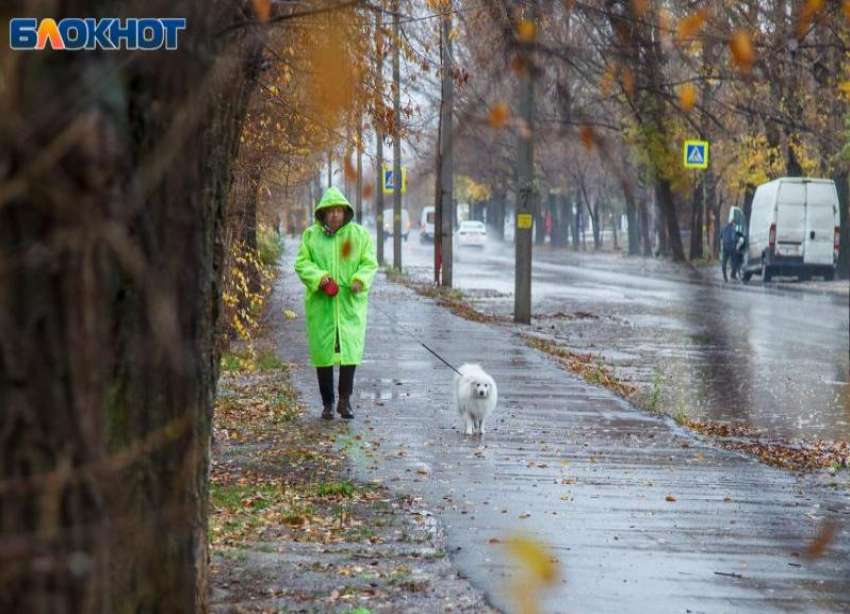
793	229
388	223
426	224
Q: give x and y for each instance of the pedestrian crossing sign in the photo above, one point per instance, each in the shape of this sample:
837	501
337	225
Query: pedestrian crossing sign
388	180
696	154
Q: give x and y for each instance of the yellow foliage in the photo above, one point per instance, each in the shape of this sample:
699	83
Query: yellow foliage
469	190
241	303
749	160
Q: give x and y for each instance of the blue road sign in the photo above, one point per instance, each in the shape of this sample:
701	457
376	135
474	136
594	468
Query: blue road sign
696	154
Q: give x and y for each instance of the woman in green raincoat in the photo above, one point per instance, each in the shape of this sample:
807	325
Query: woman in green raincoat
336	262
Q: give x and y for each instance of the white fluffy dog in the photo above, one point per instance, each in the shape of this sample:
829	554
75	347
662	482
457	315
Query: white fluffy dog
475	397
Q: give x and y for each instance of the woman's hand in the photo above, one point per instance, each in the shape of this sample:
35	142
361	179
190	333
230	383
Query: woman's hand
356	286
325	281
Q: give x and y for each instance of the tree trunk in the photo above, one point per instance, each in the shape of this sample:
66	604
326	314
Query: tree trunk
578	225
664	194
110	263
542	209
643	214
660	228
614	230
631	219
749	194
555	216
500	198
696	222
710	200
597	226
565	219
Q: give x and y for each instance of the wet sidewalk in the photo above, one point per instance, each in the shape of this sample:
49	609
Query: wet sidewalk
642	516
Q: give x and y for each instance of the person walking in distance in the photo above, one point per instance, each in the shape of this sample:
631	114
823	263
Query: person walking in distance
729	242
336	263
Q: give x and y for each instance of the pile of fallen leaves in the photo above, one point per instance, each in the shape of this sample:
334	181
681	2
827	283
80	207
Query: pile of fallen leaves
795	455
454	300
274	476
563	315
589	367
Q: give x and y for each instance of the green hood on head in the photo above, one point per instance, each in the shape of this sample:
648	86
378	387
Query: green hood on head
331	198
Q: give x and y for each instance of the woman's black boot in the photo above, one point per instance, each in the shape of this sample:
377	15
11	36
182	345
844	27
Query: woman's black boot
344	408
328	411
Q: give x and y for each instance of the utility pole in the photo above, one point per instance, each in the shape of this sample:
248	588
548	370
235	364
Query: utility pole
447	209
379	146
359	144
396	141
525	176
438	198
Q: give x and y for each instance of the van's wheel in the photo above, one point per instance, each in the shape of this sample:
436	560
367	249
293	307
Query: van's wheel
766	274
747	276
829	276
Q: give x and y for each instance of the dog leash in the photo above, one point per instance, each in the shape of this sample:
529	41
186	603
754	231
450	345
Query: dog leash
412	336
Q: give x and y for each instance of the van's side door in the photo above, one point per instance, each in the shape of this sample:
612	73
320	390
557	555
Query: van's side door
820	223
790	218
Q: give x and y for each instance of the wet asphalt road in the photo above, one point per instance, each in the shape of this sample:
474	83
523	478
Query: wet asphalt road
642	516
772	357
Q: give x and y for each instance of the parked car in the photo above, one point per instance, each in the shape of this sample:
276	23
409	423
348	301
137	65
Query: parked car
426	224
793	230
472	234
388	223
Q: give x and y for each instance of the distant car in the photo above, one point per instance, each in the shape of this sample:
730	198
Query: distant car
472	234
388	223
426	224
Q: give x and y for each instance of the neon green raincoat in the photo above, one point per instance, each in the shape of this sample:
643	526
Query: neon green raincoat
345	256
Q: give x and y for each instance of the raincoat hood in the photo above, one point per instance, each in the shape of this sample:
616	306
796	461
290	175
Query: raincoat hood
331	198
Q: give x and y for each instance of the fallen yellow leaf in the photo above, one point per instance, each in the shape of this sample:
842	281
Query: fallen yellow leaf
263	8
690	26
586	135
499	115
741	47
526	31
535	558
687	96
